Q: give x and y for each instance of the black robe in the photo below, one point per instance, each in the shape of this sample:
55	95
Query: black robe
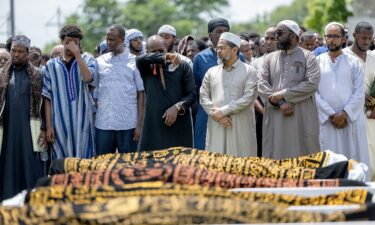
20	167
180	89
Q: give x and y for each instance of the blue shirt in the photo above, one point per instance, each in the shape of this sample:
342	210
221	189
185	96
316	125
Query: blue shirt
320	50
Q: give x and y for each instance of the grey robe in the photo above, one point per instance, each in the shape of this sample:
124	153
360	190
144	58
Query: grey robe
234	92
296	75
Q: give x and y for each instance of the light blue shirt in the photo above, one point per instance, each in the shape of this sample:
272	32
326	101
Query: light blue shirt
118	83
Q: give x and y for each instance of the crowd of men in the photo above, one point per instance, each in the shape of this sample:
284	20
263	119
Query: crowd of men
283	94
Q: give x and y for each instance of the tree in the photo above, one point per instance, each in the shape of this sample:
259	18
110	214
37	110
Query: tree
185	15
321	12
146	15
96	17
296	11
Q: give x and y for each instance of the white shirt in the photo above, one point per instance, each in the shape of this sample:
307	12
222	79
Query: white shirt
119	81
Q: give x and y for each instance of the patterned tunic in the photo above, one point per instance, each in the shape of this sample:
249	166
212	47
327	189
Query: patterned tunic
71	105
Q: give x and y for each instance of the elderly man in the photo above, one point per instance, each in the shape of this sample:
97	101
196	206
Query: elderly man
120	91
202	62
68	102
168	33
20	97
307	41
246	49
341	98
57	51
288	80
227	94
170	91
134	42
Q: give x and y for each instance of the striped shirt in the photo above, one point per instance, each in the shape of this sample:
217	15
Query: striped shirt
71	105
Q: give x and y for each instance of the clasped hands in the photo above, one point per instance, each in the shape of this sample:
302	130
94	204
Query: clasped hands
286	108
218	116
339	120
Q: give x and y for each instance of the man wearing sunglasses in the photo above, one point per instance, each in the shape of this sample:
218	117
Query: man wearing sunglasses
288	80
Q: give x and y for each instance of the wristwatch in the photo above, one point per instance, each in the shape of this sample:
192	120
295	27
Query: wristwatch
280	102
180	109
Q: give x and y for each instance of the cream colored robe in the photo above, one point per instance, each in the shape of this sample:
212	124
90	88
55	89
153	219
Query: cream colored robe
369	68
233	91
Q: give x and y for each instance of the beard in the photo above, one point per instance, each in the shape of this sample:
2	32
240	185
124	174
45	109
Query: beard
170	48
221	60
333	47
359	47
135	49
284	45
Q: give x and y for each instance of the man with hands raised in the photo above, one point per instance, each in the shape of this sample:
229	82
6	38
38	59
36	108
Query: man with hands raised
170	91
68	102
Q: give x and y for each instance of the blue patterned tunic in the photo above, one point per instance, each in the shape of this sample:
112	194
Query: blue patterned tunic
71	105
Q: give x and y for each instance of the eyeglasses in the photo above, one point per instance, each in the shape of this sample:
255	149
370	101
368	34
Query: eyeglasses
280	32
333	36
221	48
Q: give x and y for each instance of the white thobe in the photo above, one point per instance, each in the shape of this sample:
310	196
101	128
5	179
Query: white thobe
234	92
369	68
342	88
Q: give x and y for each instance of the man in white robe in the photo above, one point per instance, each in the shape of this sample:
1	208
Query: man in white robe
227	94
363	34
340	99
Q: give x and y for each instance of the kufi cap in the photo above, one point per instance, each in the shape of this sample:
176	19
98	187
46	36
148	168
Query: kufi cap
167	29
217	22
228	36
293	26
21	40
333	23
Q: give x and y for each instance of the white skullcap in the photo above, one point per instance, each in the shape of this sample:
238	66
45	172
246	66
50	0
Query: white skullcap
228	36
167	29
333	23
293	26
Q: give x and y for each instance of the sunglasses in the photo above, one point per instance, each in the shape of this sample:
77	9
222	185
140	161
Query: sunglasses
281	32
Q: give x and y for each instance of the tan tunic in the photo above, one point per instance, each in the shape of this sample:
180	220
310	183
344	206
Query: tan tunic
369	68
296	75
233	91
